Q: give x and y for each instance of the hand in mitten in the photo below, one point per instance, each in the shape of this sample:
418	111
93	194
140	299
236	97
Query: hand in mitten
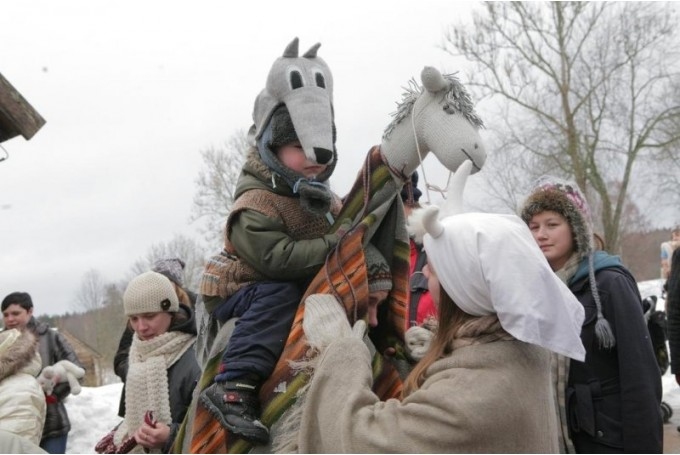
62	371
417	341
325	321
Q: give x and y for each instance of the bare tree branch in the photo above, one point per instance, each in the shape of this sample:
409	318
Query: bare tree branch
587	91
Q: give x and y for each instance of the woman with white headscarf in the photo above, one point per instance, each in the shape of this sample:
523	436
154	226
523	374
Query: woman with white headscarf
484	384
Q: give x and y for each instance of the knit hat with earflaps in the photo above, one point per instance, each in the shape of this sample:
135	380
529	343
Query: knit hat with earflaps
150	292
379	275
557	195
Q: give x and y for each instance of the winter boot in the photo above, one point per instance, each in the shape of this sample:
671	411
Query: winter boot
236	406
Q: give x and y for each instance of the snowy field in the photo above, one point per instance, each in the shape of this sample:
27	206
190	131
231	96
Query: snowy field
94	412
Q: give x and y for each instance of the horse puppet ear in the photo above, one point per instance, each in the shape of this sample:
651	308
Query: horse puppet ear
453	205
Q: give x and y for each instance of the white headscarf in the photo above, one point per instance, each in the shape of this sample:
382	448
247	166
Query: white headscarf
490	263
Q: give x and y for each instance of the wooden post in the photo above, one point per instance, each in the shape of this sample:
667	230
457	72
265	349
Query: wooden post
17	116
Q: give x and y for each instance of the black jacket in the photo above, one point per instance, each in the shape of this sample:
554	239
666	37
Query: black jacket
673	311
53	347
614	397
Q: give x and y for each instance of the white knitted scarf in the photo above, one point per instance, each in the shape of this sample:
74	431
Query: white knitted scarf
146	386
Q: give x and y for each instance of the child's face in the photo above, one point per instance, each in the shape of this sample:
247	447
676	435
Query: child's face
293	157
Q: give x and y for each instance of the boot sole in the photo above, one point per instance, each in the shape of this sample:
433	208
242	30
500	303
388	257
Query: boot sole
253	437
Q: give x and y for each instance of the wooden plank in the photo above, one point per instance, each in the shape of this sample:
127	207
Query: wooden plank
17	116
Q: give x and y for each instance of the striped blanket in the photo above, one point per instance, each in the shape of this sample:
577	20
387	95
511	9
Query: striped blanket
374	205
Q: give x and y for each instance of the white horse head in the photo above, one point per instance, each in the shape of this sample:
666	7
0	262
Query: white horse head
438	117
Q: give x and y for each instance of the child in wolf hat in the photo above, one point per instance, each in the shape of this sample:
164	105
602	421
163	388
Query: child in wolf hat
276	234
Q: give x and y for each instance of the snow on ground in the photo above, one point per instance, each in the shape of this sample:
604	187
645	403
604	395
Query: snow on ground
94	412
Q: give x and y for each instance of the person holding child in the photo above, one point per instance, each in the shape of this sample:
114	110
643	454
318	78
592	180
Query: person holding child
483	384
277	234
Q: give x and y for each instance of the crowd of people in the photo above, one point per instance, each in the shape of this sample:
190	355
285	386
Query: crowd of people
523	335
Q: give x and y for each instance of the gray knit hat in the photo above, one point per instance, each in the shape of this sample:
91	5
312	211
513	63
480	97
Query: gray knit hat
379	275
150	292
557	195
173	268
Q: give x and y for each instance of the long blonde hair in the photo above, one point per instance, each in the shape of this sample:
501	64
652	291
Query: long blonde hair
451	318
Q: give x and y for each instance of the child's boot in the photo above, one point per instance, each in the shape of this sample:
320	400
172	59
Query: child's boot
237	407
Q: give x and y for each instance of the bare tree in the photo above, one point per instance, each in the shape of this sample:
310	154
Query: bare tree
216	185
587	91
91	293
180	246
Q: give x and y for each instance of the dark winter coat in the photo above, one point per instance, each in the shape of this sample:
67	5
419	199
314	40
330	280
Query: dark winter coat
53	347
183	375
613	398
121	363
270	236
673	311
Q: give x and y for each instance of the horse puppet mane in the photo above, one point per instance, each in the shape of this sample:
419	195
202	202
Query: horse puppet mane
456	100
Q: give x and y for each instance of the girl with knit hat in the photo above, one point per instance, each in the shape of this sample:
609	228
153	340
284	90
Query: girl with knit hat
483	385
173	269
611	402
162	371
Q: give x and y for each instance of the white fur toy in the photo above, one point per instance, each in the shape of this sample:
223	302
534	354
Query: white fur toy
62	371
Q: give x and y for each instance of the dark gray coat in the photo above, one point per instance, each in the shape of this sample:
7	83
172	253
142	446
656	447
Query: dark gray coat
614	397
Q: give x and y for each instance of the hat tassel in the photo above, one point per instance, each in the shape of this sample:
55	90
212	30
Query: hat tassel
603	330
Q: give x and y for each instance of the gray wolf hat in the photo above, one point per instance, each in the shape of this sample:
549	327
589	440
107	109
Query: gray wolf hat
304	84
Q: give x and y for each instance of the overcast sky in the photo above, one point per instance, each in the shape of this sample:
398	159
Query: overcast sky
132	91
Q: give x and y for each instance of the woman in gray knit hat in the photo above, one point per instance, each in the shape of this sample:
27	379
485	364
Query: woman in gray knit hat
611	402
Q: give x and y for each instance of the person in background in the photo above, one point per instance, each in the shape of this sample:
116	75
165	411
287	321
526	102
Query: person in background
667	249
173	269
611	402
673	315
421	307
17	313
484	383
22	401
161	359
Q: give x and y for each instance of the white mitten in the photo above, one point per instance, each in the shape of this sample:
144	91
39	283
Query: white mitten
418	341
326	321
62	371
46	380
